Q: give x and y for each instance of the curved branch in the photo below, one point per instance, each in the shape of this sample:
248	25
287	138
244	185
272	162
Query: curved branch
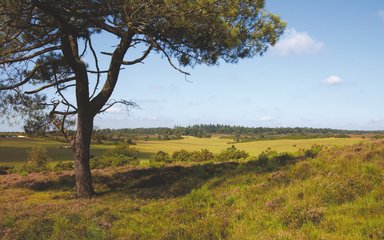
126	103
30	48
97	68
24	58
56	83
26	80
98	102
60	124
140	59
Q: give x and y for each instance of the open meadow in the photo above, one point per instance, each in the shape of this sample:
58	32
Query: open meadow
14	151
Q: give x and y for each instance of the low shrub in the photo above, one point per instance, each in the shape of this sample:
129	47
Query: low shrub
101	162
182	156
64	166
274	159
161	156
313	151
202	156
4	170
195	156
124	151
231	153
121	155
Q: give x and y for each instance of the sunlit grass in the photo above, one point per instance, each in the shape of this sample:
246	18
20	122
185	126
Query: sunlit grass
216	144
337	195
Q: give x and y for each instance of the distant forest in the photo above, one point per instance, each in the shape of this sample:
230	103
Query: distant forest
238	133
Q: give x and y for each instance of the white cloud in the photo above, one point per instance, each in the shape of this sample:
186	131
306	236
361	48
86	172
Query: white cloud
333	80
116	110
381	14
265	118
298	43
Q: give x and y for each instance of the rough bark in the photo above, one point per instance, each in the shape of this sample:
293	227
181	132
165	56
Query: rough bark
81	147
82	141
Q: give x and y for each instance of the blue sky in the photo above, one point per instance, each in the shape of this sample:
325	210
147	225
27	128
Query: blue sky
327	71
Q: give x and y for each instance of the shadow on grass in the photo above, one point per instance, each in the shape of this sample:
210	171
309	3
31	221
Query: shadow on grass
158	183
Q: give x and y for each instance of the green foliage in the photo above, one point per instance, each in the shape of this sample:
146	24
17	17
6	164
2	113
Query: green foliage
231	153
313	152
196	156
203	155
123	150
6	170
243	134
64	166
121	155
182	156
37	160
161	156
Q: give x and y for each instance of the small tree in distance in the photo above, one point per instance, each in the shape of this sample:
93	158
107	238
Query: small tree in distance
37	160
43	44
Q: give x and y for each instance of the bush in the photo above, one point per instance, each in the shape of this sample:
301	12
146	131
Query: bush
281	159
313	151
231	153
202	156
273	159
4	170
123	150
64	166
195	156
121	155
182	156
161	156
101	162
37	160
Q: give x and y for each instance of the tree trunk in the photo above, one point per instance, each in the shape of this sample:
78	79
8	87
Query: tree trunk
81	149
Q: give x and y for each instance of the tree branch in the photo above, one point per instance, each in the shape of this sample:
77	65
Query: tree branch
56	83
38	53
26	80
126	103
97	67
113	73
138	60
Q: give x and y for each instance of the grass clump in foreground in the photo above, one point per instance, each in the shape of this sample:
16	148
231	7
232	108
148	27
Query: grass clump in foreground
328	193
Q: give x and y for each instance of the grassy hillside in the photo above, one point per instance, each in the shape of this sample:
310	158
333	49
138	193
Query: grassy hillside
337	195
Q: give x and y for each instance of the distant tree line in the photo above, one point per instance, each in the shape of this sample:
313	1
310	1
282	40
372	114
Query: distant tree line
237	132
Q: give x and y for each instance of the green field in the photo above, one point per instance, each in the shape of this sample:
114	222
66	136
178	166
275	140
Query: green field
14	151
216	144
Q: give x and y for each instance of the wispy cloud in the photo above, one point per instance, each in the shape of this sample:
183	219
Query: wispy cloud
376	121
265	118
381	14
333	80
298	43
